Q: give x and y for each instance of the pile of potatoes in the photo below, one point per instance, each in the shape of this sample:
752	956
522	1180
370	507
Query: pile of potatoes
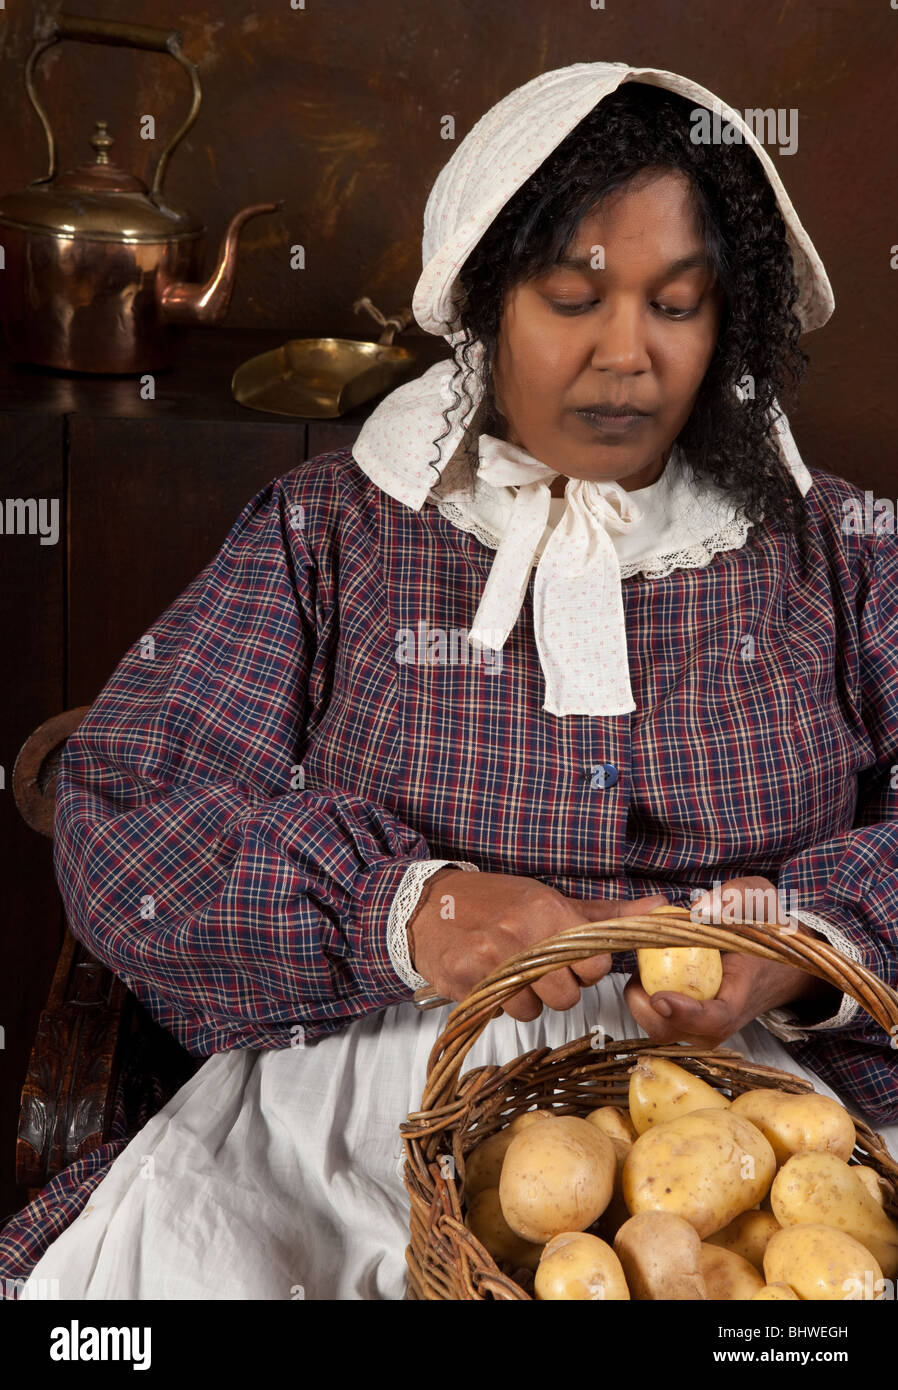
685	1195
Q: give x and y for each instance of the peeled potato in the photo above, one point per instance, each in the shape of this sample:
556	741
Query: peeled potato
556	1178
747	1235
615	1122
485	1220
773	1293
707	1167
579	1266
695	971
727	1276
799	1124
821	1263
820	1189
661	1091
660	1255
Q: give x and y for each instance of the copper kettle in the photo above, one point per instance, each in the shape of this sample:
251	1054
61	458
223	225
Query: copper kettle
100	271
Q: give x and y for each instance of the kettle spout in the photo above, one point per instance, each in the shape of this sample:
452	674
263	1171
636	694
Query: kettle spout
180	302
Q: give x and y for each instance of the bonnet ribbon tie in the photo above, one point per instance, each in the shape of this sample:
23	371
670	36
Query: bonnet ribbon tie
578	611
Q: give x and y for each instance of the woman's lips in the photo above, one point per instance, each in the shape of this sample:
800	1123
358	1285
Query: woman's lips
612	424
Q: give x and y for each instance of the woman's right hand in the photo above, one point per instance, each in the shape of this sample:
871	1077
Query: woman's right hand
490	917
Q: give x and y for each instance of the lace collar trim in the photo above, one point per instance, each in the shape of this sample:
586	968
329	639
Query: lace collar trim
686	522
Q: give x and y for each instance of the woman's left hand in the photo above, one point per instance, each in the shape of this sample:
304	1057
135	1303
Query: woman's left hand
750	985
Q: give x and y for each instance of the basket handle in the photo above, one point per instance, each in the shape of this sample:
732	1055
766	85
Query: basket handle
664	926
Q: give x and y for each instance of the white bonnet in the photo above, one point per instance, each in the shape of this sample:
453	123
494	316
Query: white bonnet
509	142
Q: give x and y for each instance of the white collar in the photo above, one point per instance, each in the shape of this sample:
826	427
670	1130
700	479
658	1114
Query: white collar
685	523
583	545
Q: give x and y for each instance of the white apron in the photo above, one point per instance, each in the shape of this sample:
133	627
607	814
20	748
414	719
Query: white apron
276	1174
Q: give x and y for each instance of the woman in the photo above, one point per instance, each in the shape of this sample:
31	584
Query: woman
315	797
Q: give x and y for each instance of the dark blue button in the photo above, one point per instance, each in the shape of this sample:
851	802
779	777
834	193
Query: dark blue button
603	775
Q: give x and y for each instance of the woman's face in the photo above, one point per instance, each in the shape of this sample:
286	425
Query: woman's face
639	333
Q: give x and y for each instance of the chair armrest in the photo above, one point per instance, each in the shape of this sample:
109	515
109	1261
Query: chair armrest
93	1033
35	769
68	1098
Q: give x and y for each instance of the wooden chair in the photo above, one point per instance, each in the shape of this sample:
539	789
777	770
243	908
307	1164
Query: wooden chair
98	1055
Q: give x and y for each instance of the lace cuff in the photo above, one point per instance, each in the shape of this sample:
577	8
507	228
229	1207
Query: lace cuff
404	904
782	1022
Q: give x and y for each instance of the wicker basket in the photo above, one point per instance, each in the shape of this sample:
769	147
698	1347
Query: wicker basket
445	1260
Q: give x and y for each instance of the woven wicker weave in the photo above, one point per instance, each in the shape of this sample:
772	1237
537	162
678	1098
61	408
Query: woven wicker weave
445	1260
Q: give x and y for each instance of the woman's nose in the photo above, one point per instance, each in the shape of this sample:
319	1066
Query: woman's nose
620	342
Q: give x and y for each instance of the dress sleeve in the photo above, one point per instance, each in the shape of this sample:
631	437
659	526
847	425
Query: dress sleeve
242	909
847	886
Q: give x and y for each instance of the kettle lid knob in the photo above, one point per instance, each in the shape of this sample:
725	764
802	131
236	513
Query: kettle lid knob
101	175
102	142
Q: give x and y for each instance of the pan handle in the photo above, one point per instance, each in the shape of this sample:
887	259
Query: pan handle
397	323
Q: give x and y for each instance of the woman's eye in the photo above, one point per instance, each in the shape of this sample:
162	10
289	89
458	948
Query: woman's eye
666	310
677	313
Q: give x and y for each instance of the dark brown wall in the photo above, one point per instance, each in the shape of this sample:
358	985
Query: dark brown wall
337	109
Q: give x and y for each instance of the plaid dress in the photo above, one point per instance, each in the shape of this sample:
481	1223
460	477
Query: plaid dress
237	812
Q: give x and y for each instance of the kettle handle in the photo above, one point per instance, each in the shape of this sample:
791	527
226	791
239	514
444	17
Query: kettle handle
125	36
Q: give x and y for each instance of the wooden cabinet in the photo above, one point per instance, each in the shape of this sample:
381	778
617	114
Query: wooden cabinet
146	491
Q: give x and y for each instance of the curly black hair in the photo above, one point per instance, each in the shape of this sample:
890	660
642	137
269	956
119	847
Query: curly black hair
636	128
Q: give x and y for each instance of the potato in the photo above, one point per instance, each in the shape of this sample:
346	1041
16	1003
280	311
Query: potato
615	1122
757	1105
617	1212
484	1219
660	1253
799	1124
661	1091
529	1118
619	1128
727	1276
821	1263
772	1293
575	1265
695	971
484	1163
820	1189
747	1235
556	1178
871	1180
706	1167
621	1149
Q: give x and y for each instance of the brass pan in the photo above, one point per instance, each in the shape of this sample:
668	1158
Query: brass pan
321	378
